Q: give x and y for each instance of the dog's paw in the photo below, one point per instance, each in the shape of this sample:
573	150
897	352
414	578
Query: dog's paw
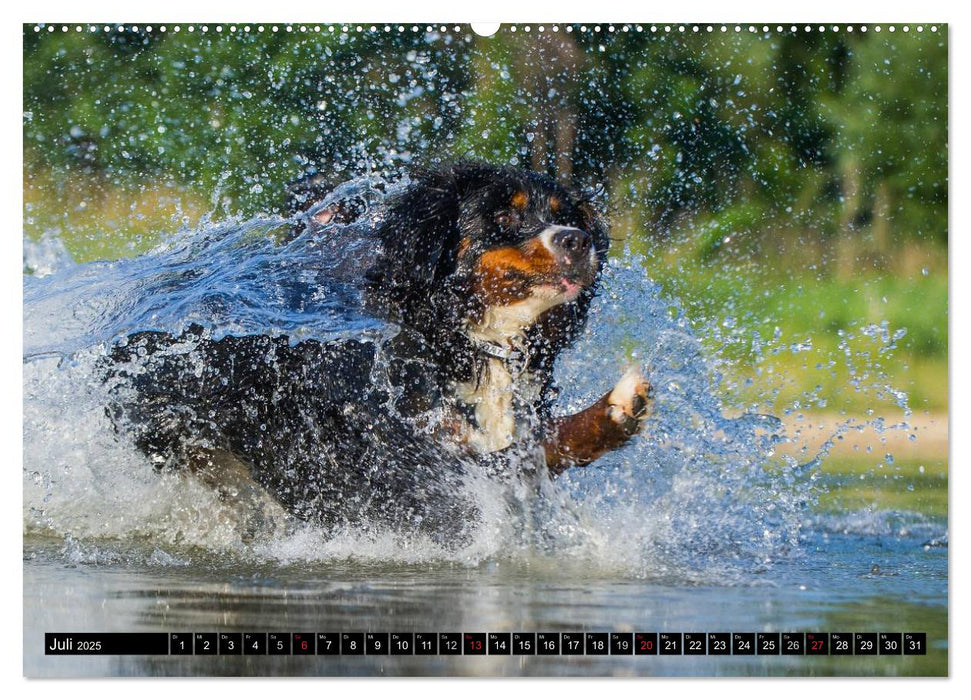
630	401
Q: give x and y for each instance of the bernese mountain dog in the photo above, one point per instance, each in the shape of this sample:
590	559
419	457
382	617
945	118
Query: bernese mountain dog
486	273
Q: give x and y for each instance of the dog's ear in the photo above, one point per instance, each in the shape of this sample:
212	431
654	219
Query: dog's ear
419	229
421	232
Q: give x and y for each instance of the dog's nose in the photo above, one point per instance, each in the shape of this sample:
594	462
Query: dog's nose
572	241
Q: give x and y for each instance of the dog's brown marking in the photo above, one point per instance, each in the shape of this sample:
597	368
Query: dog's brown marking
506	275
464	246
581	438
519	200
555	204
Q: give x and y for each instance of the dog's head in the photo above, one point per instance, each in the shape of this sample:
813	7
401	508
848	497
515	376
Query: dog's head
494	251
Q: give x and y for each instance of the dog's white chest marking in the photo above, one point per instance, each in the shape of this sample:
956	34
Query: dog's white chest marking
496	394
493	400
502	323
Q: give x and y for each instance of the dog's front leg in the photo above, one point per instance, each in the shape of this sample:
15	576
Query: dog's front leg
581	438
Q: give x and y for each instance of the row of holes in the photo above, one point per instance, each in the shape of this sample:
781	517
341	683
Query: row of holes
458	29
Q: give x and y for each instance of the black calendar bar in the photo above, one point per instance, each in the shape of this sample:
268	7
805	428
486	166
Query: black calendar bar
114	643
511	644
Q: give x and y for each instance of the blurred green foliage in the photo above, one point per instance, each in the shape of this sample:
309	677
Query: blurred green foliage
736	130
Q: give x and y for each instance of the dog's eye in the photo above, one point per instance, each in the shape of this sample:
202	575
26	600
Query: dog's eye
506	219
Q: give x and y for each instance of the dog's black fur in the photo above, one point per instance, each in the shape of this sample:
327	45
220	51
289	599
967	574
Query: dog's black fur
347	431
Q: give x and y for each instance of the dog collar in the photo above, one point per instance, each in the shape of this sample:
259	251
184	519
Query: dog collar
515	357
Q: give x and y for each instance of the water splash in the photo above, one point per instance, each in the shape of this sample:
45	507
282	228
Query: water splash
697	497
700	490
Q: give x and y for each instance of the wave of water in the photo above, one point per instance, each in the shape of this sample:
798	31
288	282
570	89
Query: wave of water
696	496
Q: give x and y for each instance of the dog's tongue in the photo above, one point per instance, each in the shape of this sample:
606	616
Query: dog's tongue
571	289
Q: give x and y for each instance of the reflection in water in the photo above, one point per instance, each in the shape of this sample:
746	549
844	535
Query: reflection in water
831	589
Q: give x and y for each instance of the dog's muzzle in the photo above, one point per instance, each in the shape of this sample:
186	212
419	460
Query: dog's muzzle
573	250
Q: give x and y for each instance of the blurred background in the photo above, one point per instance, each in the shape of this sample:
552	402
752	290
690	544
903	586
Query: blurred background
788	189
